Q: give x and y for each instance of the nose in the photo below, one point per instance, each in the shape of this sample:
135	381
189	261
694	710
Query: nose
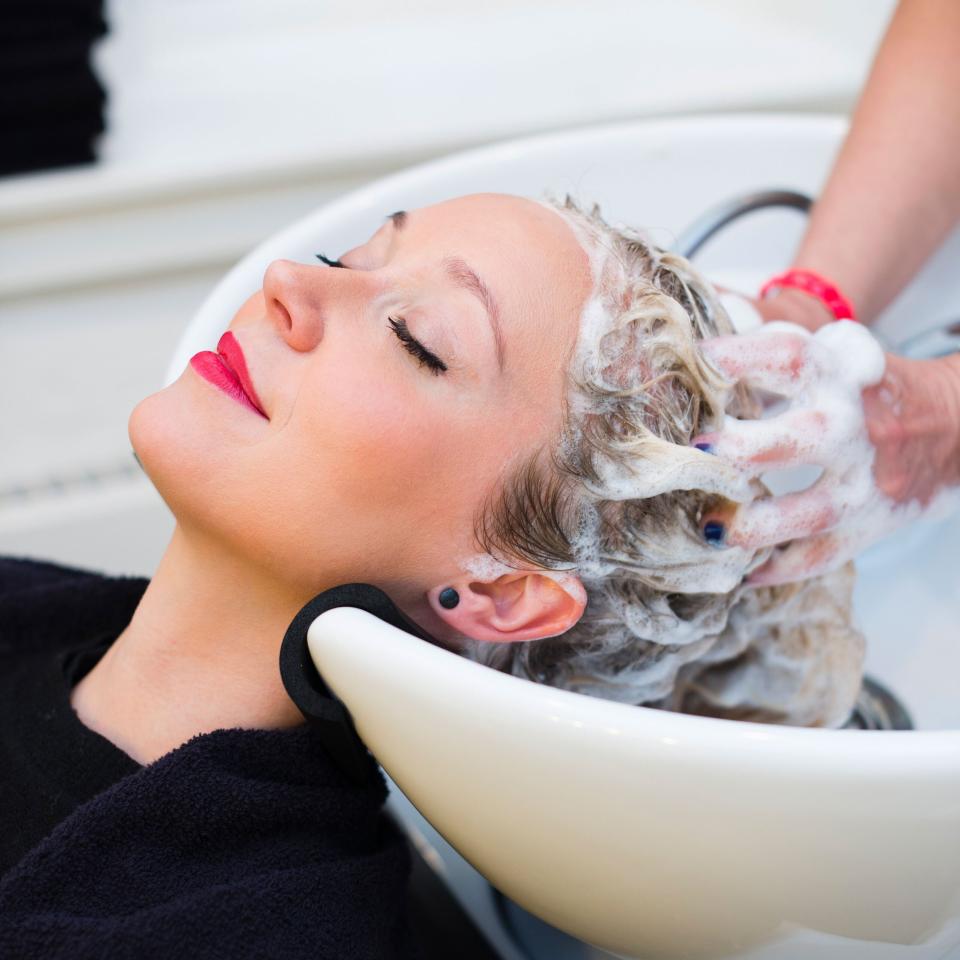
294	298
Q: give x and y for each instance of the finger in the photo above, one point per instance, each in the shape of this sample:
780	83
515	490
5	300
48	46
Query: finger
802	559
773	358
756	446
765	523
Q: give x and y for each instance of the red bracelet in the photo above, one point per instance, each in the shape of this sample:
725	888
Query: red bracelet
816	286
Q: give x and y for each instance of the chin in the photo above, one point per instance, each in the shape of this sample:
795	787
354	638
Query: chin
204	471
173	446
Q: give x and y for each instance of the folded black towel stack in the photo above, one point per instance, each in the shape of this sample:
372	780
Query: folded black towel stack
51	101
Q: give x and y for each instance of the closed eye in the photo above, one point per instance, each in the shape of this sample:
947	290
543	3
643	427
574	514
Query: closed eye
415	348
399	326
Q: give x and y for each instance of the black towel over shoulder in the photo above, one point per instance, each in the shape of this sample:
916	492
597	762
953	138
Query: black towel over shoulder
54	623
240	843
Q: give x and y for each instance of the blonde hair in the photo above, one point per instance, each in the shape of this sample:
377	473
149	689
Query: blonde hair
669	622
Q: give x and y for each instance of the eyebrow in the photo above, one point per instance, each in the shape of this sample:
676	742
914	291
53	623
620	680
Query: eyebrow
466	278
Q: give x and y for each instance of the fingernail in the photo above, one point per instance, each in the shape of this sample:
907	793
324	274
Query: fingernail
705	447
714	533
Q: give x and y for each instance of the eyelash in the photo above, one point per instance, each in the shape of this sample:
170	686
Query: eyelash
399	326
414	347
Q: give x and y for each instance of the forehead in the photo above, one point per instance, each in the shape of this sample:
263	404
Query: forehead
526	252
524	228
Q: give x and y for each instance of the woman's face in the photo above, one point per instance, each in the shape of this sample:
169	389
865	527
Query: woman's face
399	390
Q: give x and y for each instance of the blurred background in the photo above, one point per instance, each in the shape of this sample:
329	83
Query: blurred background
148	144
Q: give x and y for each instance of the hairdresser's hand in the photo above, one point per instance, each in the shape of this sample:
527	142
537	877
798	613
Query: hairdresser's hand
787	304
794	306
885	430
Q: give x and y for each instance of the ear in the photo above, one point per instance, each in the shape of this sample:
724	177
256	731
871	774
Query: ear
524	605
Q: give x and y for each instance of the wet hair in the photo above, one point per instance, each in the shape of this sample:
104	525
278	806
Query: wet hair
619	500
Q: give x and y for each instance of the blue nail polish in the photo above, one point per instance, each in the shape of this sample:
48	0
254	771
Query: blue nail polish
705	447
714	533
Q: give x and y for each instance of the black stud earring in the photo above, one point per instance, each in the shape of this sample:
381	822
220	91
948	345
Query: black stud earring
448	598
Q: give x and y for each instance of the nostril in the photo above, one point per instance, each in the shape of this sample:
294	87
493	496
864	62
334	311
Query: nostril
283	313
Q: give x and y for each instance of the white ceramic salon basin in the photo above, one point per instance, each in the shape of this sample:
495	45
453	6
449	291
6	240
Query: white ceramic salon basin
648	833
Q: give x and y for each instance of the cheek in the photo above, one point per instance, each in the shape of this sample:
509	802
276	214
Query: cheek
398	467
374	471
388	444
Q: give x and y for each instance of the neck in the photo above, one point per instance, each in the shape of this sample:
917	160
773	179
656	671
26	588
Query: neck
200	654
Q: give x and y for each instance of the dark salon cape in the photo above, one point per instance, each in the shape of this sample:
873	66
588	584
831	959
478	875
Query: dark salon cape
240	843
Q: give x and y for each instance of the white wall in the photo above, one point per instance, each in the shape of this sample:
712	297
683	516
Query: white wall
229	118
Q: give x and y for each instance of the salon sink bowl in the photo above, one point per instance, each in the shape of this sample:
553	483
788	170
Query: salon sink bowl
645	833
654	834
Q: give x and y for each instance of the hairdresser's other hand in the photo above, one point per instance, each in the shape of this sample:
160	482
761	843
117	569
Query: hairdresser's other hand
794	306
885	430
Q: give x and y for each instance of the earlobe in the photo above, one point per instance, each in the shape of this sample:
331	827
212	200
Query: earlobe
521	605
448	598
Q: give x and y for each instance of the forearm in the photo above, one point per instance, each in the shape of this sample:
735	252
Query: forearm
894	191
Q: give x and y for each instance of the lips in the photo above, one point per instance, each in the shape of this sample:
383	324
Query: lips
227	369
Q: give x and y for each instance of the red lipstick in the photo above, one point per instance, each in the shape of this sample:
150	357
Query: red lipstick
227	369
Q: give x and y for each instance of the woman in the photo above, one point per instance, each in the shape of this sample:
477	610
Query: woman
489	410
405	416
207	820
422	384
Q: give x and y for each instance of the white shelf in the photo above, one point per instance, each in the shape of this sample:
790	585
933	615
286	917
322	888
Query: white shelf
227	93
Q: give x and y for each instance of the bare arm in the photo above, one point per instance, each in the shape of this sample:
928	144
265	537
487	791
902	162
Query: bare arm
894	192
892	197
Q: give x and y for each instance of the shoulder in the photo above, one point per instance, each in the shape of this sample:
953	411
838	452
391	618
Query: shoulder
43	602
18	574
